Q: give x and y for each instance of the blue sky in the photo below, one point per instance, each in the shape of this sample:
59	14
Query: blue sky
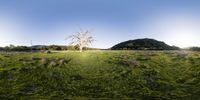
46	22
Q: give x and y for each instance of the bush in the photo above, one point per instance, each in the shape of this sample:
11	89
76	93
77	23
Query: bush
194	48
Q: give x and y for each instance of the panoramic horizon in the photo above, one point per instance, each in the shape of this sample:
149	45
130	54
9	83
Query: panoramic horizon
49	22
99	49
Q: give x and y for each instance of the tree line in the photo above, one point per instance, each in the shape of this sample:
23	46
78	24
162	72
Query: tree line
79	41
43	48
83	38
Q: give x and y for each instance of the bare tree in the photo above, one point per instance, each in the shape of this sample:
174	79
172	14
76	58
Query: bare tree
82	38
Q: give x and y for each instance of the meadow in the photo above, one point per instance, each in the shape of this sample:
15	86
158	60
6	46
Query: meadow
137	75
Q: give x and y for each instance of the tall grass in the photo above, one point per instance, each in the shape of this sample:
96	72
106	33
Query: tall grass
138	75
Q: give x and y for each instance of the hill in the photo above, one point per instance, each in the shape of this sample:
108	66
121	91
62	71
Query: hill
143	44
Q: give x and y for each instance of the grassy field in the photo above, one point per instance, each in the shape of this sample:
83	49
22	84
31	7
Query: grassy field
140	75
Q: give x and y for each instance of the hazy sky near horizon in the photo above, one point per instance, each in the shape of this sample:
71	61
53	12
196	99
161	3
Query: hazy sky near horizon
45	22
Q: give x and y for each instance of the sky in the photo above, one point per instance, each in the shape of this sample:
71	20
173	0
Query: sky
46	22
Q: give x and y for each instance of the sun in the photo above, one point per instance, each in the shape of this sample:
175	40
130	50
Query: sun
182	31
182	39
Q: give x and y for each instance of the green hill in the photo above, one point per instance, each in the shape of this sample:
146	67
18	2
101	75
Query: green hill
143	44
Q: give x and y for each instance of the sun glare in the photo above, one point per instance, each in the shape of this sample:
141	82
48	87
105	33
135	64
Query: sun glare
180	31
183	39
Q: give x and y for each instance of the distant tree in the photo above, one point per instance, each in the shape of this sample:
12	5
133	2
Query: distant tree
194	48
11	46
6	48
82	39
54	47
1	48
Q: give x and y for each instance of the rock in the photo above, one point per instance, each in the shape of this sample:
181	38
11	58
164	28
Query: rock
62	61
52	64
134	62
48	51
44	61
24	62
182	54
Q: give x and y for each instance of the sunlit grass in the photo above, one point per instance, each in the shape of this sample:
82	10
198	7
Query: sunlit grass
100	74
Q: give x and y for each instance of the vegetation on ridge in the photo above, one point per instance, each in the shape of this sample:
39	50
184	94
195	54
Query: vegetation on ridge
143	44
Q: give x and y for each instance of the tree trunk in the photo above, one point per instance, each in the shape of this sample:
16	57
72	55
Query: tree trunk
81	49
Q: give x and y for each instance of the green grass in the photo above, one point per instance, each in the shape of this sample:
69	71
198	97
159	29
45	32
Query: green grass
140	75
